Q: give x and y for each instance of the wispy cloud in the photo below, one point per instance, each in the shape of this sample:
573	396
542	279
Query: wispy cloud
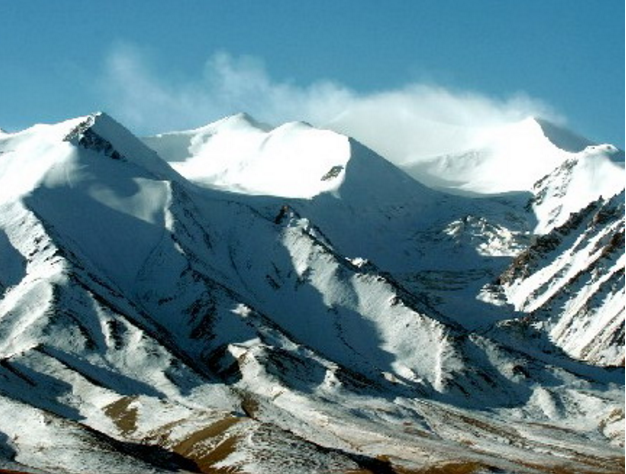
415	120
424	119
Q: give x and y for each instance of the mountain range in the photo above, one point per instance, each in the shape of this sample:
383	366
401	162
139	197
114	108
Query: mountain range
249	298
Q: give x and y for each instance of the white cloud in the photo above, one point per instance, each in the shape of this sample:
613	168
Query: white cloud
422	120
416	120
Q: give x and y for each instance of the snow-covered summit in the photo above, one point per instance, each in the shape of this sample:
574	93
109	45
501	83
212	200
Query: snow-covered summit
94	179
101	133
48	154
239	154
506	158
562	137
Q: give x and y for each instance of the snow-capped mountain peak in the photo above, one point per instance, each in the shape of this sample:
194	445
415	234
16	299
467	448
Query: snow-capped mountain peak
100	133
48	153
292	160
561	137
501	159
350	319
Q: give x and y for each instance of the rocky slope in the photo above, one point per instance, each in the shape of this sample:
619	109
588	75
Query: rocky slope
570	283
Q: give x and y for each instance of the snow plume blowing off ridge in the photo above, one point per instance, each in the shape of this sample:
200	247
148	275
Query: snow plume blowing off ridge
417	120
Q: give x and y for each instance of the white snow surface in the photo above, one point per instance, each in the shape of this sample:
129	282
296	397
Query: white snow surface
507	158
594	173
236	153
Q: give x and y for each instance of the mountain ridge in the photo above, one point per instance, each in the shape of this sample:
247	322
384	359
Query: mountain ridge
224	329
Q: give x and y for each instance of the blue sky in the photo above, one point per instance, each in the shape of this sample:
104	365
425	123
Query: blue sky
157	65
